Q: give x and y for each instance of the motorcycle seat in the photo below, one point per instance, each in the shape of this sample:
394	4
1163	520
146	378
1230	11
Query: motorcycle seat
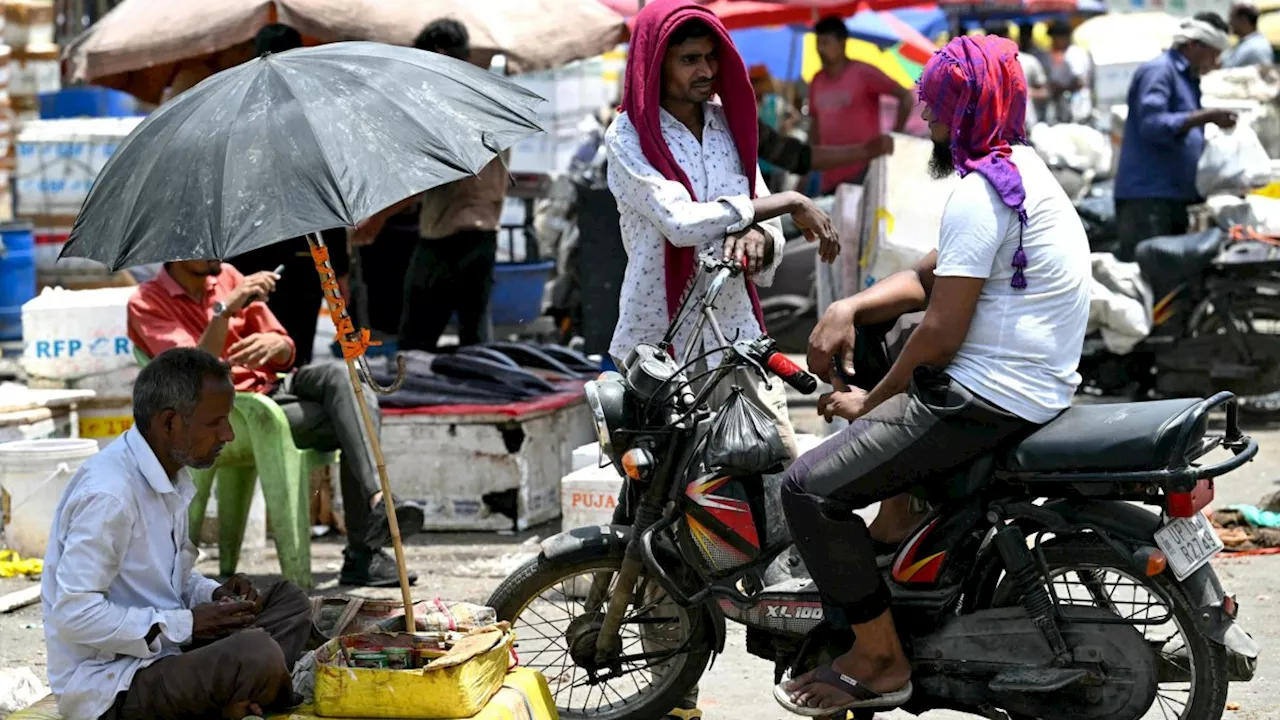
1121	437
1170	260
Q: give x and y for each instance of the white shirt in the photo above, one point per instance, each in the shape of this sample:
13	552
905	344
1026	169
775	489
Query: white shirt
1023	348
1253	49
655	211
119	561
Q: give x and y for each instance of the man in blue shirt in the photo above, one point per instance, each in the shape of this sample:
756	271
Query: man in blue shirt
1164	135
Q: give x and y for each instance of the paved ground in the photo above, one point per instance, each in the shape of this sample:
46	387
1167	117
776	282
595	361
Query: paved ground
468	567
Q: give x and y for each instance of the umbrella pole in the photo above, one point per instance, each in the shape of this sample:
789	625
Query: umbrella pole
349	337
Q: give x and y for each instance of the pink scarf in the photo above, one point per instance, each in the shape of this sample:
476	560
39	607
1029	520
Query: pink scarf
641	99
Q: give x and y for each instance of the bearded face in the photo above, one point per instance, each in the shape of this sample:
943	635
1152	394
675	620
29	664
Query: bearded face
941	163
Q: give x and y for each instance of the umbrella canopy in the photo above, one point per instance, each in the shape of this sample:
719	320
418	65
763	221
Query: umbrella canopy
777	48
885	30
912	45
928	20
871	26
1127	37
291	144
139	46
741	14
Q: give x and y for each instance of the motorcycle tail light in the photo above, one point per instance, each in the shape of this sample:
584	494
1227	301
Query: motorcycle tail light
1187	504
637	463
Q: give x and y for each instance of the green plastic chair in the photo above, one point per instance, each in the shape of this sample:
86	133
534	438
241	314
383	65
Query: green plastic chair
263	448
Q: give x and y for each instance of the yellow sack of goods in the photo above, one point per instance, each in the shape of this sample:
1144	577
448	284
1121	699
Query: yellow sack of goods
431	676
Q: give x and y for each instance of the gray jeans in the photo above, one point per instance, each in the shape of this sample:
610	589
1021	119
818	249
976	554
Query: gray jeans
320	404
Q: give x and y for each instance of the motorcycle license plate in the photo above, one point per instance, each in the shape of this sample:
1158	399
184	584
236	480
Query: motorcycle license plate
1188	543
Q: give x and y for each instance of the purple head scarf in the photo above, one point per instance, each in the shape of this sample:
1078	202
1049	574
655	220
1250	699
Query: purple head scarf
976	86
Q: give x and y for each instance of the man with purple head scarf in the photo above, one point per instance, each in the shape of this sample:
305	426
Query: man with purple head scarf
1006	301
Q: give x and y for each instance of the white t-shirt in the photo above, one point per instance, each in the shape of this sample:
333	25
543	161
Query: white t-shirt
1023	348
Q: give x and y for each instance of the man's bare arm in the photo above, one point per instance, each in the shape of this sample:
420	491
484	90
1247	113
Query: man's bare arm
906	103
366	232
826	158
935	342
887	300
214	337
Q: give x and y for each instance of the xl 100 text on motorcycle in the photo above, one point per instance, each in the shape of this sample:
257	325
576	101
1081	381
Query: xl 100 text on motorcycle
1039	587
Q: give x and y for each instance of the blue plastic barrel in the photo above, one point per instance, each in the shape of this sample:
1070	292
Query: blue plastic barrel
517	291
17	277
87	102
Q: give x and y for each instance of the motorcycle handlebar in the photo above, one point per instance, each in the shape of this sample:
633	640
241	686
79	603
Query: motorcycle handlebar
790	373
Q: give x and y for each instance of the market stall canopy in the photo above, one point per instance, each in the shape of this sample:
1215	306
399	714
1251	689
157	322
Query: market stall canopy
978	10
139	46
742	14
928	20
1121	38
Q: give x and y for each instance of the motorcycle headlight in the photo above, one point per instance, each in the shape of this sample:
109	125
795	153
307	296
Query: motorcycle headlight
607	399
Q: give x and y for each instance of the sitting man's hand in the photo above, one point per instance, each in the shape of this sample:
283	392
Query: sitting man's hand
238	586
849	404
753	244
215	620
259	349
832	341
254	287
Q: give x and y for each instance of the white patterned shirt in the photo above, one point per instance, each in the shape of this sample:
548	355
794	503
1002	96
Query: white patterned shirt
655	210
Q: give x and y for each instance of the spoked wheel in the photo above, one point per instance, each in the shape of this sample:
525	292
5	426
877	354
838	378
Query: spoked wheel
1192	671
1259	315
556	615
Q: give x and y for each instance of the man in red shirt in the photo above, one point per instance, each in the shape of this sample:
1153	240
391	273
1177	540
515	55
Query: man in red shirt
210	305
844	101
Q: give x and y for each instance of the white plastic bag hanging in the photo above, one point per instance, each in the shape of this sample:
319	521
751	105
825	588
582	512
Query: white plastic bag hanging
1233	161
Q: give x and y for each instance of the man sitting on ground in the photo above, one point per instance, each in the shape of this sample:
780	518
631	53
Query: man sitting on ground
132	631
210	305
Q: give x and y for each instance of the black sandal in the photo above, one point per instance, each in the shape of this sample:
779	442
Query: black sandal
863	699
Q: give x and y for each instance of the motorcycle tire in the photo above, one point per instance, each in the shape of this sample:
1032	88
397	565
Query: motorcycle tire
540	574
1209	659
1258	306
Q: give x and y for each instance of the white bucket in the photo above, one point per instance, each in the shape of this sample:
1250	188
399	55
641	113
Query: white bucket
34	473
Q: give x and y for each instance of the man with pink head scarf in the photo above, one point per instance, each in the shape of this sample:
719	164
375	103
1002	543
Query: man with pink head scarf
1006	301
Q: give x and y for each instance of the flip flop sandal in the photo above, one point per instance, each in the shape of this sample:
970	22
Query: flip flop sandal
863	699
685	714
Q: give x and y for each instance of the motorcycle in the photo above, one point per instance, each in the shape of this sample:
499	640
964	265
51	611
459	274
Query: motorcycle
1216	322
1036	588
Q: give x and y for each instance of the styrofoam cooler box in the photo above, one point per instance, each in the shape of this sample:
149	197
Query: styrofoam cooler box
51	233
68	334
58	161
588	496
588	456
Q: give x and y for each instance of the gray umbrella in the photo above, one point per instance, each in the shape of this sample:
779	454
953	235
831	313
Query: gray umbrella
291	144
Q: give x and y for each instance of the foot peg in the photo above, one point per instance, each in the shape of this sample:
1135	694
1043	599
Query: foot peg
1036	680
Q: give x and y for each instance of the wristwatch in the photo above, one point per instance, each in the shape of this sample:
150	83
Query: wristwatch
219	309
